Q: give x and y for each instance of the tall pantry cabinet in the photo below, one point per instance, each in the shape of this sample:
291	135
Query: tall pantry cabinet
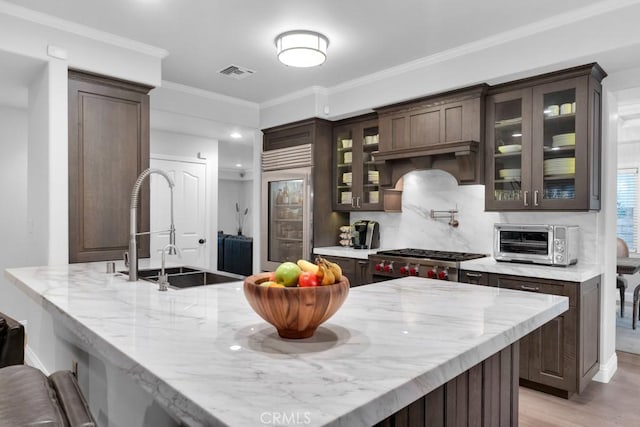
108	149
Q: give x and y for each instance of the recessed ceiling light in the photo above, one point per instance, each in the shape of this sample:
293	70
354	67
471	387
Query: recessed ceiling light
238	165
236	135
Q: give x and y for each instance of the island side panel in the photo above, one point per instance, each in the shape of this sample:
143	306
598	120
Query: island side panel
485	395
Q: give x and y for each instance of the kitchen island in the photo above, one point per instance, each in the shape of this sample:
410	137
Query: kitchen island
210	360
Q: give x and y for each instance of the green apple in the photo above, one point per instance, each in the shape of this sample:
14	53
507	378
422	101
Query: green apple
287	274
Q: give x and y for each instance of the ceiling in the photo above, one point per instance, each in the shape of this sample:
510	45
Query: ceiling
205	36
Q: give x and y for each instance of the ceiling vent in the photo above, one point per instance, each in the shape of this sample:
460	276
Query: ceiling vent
237	72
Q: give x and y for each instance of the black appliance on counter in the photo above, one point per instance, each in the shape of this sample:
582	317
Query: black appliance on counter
443	265
365	234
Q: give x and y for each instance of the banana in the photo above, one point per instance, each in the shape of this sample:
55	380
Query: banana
332	266
325	275
307	266
336	270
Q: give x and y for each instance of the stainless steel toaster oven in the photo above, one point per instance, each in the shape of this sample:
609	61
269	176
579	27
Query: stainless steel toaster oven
536	244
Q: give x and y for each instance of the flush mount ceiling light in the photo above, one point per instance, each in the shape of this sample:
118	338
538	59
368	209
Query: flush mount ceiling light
302	48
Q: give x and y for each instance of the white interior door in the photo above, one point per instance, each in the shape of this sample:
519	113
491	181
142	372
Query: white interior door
189	204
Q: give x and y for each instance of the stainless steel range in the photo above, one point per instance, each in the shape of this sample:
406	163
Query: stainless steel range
442	265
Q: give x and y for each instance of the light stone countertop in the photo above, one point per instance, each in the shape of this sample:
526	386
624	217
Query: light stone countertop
573	273
346	252
389	344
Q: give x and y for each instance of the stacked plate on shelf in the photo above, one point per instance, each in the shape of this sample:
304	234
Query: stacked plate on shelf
347	178
374	177
561	166
564	140
374	197
512	174
512	148
345	198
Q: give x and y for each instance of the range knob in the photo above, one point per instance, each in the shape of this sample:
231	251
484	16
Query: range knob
413	271
389	267
404	269
380	266
443	275
431	274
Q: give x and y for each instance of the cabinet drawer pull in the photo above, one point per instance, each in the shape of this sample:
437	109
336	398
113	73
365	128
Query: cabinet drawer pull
529	288
478	275
363	262
526	198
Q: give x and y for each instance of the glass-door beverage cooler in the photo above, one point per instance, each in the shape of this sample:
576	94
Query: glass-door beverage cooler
286	219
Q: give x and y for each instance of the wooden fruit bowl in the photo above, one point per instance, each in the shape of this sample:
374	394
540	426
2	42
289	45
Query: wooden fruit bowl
295	312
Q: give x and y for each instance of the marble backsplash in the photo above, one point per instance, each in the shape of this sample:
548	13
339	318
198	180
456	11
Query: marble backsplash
435	189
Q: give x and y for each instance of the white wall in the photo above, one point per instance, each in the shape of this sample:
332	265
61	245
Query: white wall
231	192
14	252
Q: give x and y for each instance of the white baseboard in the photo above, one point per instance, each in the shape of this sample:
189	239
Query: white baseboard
607	370
32	359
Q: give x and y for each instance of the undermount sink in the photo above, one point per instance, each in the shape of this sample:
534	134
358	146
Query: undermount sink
185	277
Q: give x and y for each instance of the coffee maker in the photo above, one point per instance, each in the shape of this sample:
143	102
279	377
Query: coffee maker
365	234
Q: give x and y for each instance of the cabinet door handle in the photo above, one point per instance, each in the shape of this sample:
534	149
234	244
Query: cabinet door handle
357	202
478	275
535	198
526	197
353	202
529	288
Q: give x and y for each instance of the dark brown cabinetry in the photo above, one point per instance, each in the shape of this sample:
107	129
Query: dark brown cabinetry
560	357
445	118
355	269
443	131
317	133
108	149
357	175
543	142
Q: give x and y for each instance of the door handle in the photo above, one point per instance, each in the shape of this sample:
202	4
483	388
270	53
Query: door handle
535	198
202	241
526	196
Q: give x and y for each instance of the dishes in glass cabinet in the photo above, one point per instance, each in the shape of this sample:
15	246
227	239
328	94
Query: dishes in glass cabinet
559	192
564	140
347	143
512	148
561	166
510	173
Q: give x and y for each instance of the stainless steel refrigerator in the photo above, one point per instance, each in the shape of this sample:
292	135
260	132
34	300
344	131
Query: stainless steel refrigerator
286	216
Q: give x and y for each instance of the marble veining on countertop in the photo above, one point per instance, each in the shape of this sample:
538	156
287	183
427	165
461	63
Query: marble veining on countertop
389	344
579	272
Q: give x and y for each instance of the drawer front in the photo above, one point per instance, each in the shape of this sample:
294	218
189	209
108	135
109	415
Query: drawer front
542	286
474	277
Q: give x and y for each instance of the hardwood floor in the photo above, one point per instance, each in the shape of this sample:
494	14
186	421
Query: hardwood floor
614	404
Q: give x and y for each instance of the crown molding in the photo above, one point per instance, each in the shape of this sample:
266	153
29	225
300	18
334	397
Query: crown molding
538	27
465	49
179	87
312	90
80	30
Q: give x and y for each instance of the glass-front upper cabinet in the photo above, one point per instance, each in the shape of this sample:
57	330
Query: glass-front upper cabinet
509	141
357	175
560	156
544	142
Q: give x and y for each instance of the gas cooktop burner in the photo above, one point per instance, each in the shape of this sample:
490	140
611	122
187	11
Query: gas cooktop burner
431	254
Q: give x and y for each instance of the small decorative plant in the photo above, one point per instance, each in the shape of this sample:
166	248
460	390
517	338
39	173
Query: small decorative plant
240	217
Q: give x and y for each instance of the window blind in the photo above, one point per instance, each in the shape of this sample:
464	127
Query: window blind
626	225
